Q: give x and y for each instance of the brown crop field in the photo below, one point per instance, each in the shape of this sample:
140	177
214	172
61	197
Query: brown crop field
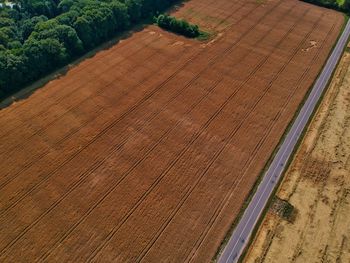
147	151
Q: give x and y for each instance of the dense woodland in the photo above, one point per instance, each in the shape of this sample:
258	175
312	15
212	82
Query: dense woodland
38	36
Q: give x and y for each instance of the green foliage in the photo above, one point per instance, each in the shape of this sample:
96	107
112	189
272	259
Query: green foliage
39	7
13	70
65	5
341	5
134	8
28	25
44	54
37	36
178	26
204	36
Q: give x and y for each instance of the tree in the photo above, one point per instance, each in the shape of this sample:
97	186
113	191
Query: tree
12	71
28	25
66	35
44	55
121	15
83	27
68	18
346	5
134	10
65	5
39	7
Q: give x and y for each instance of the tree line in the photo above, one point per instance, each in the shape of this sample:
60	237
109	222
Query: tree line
340	5
38	36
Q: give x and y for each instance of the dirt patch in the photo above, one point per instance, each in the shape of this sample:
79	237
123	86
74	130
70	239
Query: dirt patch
317	184
312	44
149	149
316	170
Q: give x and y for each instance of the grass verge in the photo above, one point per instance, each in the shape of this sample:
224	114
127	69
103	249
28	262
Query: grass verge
204	36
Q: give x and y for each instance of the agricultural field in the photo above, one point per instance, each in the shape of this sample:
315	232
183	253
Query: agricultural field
317	185
149	149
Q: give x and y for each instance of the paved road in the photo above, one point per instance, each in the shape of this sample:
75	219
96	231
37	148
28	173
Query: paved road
243	231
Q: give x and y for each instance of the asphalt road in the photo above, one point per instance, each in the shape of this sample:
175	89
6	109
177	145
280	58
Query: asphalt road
245	227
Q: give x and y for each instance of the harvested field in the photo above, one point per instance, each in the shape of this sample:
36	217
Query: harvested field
317	184
147	151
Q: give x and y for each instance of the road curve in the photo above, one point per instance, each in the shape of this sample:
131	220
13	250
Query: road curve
246	225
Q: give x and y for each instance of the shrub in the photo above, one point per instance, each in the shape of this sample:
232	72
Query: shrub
178	26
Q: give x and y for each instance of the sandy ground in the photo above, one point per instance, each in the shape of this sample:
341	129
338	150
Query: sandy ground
317	184
148	150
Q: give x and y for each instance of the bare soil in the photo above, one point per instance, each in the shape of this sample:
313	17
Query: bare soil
147	151
317	184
